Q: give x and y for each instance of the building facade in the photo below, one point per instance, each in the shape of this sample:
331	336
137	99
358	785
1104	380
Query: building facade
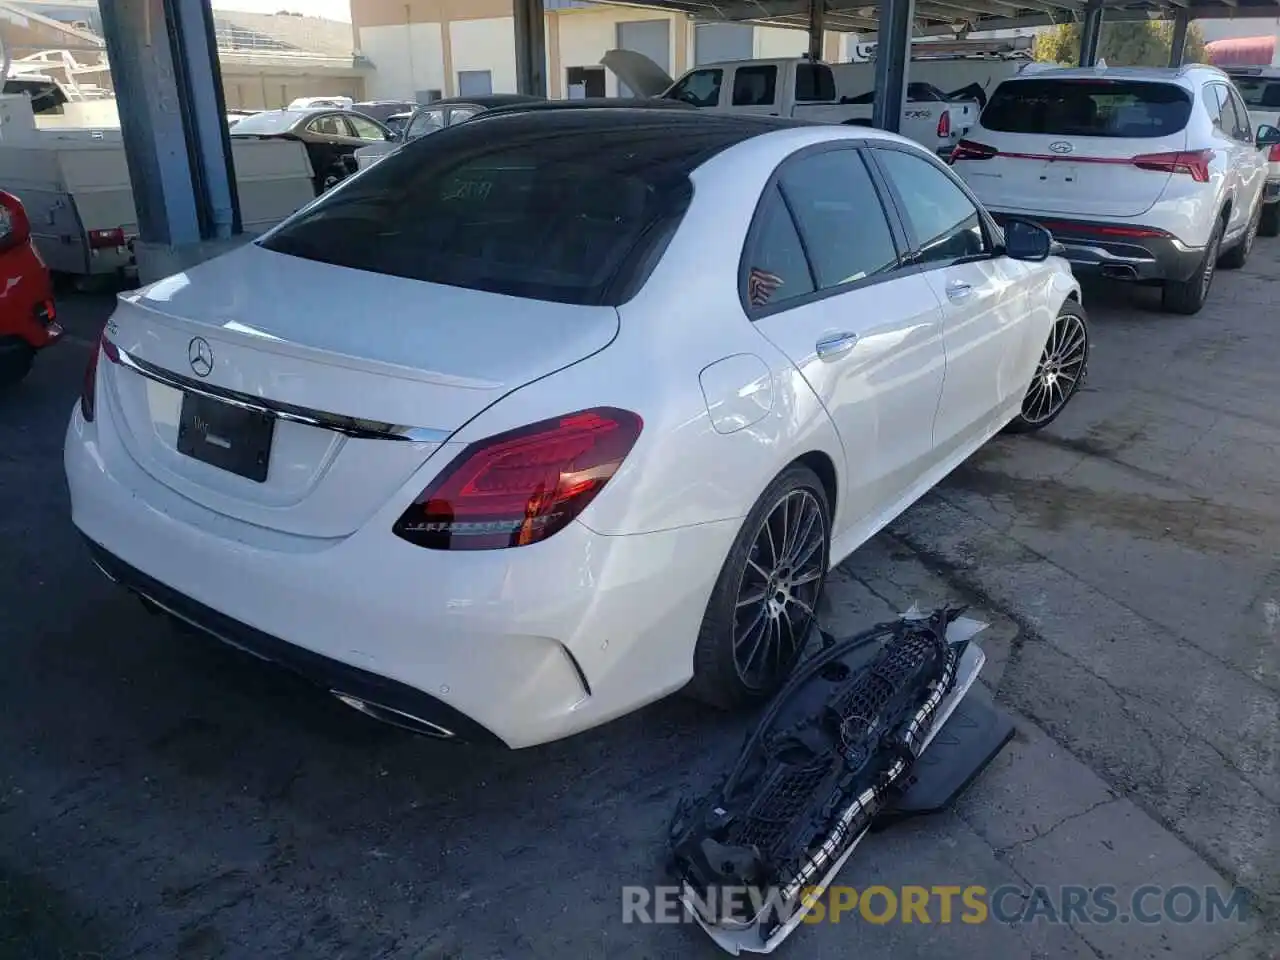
426	49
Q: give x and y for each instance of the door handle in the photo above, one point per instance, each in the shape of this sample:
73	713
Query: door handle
836	345
958	290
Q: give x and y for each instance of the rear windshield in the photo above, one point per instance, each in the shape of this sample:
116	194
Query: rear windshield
1259	93
1088	108
512	206
274	121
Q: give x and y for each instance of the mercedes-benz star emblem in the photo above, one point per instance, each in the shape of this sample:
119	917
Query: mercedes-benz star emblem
200	355
1060	146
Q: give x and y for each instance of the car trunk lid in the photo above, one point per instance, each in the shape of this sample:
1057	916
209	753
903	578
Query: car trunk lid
364	375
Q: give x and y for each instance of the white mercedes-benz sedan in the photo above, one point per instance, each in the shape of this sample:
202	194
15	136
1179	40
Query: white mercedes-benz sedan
549	415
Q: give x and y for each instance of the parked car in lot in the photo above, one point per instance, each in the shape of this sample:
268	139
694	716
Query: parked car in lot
28	321
383	110
624	384
331	136
791	87
435	116
1260	89
1141	173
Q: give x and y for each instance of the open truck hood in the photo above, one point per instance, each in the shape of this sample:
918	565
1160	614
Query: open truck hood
638	72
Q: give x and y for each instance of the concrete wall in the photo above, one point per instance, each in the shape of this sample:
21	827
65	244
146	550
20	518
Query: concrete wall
445	36
405	58
249	89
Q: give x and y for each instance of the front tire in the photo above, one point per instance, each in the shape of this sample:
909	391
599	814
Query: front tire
1269	224
1062	368
760	614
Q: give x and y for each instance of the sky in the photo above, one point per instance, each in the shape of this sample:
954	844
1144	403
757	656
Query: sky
333	9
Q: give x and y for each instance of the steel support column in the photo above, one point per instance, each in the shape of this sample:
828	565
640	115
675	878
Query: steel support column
531	47
164	66
1178	45
1091	33
893	53
817	27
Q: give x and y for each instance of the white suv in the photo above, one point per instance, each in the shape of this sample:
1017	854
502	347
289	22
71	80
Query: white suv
1260	88
1140	173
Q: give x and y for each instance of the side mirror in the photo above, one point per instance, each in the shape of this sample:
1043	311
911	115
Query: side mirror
1267	136
1026	240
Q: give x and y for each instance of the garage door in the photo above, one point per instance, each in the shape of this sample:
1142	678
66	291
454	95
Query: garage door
650	37
713	42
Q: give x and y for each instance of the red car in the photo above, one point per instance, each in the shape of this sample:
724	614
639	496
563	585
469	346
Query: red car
27	316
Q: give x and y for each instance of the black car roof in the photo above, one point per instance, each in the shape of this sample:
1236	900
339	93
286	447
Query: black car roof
488	100
676	140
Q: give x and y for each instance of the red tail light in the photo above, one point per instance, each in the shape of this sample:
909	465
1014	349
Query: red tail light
944	124
88	392
1195	163
15	228
106	239
1273	155
972	150
522	486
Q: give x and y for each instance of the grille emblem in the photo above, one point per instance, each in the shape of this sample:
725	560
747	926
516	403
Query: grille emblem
1060	146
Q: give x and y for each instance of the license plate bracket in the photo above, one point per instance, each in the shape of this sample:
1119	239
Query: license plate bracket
226	436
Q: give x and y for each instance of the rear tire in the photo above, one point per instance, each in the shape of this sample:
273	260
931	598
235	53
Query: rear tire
1063	365
761	611
1188	296
14	367
1269	224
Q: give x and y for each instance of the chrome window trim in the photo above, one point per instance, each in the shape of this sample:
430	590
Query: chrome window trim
347	426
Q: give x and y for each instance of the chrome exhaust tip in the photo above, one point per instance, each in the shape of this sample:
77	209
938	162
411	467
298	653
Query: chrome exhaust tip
396	718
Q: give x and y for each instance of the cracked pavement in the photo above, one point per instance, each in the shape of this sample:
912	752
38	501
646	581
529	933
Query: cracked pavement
162	796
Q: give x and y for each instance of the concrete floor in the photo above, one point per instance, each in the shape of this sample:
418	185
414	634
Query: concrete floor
162	796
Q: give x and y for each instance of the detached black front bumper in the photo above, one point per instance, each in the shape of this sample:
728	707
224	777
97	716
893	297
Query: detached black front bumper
1120	252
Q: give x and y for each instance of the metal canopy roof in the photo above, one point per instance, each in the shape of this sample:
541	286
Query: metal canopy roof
934	17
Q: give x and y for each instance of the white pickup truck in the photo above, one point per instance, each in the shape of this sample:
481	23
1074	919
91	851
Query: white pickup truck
1260	88
794	87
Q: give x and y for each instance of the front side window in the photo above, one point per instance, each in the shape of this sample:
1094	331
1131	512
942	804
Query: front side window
840	217
754	86
459	114
1088	108
945	222
1244	128
700	88
366	129
424	122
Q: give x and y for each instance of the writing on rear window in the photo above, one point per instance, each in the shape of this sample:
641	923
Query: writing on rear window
1088	108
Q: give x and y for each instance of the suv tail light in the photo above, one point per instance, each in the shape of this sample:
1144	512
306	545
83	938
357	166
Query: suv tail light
1192	162
944	124
522	486
88	392
15	228
972	150
1273	155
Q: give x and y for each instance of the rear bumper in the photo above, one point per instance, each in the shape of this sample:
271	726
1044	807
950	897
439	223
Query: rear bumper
1101	249
518	646
26	304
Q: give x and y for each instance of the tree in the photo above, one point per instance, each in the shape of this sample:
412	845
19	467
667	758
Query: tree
1139	43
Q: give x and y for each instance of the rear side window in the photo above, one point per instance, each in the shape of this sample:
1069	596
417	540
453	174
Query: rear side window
840	216
814	83
1088	108
553	215
754	86
700	88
